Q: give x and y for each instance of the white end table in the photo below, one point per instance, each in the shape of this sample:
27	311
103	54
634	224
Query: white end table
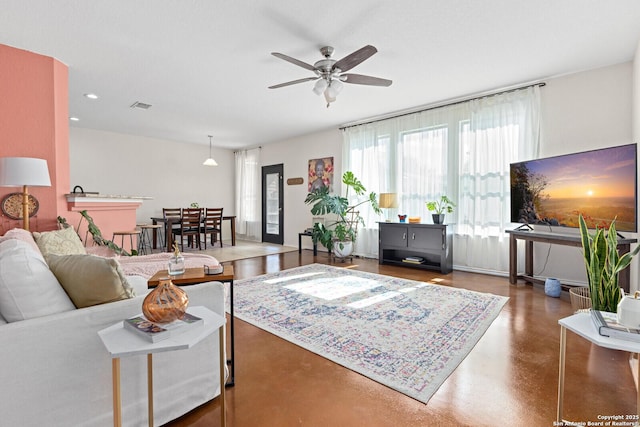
582	325
122	343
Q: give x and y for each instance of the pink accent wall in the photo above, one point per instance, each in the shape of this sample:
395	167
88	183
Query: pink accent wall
34	122
109	217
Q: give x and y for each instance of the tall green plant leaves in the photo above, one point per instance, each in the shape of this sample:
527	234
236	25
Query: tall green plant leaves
603	264
347	217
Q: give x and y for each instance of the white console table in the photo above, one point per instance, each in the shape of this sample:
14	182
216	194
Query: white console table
582	325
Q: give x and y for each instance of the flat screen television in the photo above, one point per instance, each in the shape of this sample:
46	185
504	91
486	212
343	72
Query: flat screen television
599	184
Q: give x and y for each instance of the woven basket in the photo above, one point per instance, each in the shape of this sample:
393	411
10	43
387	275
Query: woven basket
580	298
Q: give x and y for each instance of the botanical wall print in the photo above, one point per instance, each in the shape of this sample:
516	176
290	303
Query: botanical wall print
321	173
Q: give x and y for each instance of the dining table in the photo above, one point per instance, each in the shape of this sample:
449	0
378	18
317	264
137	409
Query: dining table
168	229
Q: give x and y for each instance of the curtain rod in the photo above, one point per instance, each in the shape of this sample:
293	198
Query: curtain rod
247	149
440	105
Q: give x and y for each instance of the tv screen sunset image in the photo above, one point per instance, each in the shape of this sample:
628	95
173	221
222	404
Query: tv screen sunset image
599	184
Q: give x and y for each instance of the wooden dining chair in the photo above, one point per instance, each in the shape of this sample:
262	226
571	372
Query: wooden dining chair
175	214
212	225
190	227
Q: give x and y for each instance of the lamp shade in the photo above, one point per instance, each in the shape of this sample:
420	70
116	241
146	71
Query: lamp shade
19	171
388	200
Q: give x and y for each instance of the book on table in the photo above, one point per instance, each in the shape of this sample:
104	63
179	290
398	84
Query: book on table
155	332
413	260
607	325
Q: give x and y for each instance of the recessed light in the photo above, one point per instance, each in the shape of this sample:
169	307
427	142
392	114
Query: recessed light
74	119
91	95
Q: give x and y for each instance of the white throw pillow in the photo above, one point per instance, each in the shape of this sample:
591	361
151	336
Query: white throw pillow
59	242
20	234
138	284
28	288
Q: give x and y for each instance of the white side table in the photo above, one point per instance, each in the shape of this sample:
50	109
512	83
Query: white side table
121	343
582	325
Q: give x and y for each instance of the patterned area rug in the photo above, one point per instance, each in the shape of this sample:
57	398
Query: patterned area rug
242	250
407	335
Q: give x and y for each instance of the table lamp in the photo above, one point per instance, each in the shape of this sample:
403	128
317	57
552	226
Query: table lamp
24	171
388	201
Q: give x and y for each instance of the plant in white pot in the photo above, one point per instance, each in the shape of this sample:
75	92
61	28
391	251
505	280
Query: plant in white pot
339	234
603	264
440	207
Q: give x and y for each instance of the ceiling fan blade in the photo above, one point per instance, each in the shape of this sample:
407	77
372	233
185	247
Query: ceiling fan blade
293	82
359	79
294	61
350	61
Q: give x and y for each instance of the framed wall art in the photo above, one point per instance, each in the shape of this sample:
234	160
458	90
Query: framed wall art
321	173
12	205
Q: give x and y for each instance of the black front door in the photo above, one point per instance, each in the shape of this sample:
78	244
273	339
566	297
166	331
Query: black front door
272	204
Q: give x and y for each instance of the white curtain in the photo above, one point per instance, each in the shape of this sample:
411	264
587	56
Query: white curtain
248	195
462	150
500	130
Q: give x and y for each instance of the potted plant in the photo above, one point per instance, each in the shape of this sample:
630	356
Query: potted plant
96	234
603	264
440	207
339	234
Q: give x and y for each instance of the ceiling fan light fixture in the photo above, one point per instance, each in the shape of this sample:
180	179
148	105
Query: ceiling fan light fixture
320	86
328	72
210	161
334	88
328	97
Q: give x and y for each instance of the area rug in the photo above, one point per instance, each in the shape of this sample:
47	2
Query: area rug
405	334
242	250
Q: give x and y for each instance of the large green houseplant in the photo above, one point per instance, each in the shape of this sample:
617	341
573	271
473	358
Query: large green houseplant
342	227
603	264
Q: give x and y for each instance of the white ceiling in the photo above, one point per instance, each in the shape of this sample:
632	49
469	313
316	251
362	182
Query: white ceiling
205	65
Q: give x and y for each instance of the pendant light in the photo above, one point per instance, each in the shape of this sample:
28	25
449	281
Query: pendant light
210	161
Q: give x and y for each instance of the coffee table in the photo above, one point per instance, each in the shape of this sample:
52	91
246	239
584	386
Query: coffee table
192	276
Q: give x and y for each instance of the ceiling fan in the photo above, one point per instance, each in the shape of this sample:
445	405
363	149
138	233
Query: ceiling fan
330	74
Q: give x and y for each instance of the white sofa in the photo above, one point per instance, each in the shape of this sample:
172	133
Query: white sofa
55	370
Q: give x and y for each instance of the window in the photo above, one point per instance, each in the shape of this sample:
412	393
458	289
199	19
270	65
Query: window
464	151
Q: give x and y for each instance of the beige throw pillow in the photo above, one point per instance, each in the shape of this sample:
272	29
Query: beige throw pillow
90	280
59	242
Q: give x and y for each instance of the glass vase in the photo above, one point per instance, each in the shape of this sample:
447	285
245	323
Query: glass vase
166	303
176	265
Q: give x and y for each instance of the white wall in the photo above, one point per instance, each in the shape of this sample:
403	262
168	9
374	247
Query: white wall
295	154
635	123
171	173
635	88
580	112
587	110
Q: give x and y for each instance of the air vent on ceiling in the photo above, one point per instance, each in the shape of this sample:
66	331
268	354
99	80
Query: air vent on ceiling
140	105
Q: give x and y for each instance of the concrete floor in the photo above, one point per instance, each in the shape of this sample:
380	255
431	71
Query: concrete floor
510	378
